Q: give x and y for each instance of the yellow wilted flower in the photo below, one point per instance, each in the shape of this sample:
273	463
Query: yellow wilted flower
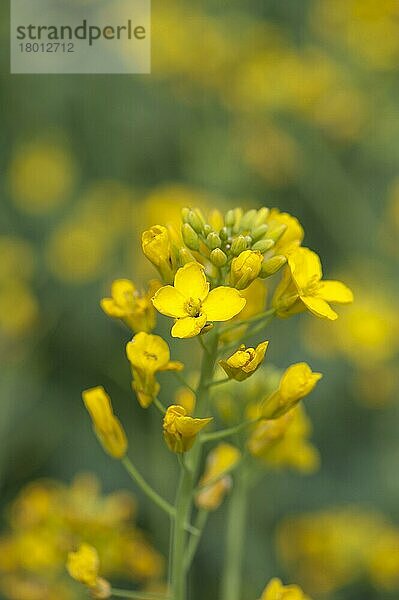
193	305
148	354
180	430
244	362
107	426
275	590
302	288
245	268
135	309
296	383
216	482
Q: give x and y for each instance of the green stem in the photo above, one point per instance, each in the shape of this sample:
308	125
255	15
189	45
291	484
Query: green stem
181	380
159	406
199	523
223	433
137	595
264	315
235	539
189	475
218	382
152	494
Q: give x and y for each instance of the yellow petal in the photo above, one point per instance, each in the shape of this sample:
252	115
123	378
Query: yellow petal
188	327
148	352
305	267
319	307
168	301
191	281
98	404
122	289
335	291
187	426
223	303
111	308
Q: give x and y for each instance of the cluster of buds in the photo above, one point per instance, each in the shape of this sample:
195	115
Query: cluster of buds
240	244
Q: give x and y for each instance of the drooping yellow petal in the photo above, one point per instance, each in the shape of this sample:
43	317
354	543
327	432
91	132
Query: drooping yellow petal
335	291
188	327
191	281
319	307
305	267
223	303
188	426
170	302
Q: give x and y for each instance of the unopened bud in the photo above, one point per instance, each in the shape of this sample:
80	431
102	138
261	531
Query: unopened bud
207	229
237	219
248	219
213	241
276	233
245	268
261	217
271	266
259	232
238	245
185	256
195	220
184	214
230	218
224	234
218	257
263	245
190	238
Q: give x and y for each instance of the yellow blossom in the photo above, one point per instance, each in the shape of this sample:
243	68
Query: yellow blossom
107	426
148	354
275	590
296	383
83	565
302	288
216	482
191	303
156	246
245	268
292	235
244	362
181	430
128	304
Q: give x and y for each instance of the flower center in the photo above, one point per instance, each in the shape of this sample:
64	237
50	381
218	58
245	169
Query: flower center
193	307
312	286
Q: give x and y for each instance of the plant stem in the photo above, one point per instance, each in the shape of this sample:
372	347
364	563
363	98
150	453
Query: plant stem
137	595
264	315
223	433
200	522
235	539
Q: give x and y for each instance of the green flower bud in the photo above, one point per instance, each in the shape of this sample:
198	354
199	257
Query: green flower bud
238	245
185	257
245	268
184	214
224	234
230	218
207	229
261	217
277	232
190	238
218	257
195	220
259	232
263	245
237	219
272	265
213	241
248	219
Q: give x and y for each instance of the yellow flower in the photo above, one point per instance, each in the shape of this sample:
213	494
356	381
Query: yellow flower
193	305
245	268
181	430
244	362
293	234
216	482
107	426
148	354
296	383
157	248
127	304
302	288
83	565
275	590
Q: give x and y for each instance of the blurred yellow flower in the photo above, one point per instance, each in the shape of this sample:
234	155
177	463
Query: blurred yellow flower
83	565
245	268
107	426
302	288
191	303
186	398
41	176
296	383
180	430
275	590
19	308
135	309
149	354
244	362
216	482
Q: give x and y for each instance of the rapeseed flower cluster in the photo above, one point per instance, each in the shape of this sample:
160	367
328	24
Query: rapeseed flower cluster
237	411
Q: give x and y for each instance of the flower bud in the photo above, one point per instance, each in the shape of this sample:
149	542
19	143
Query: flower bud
185	257
213	240
230	218
245	268
258	232
272	265
224	234
157	248
238	245
276	233
184	214
180	430
190	238
207	229
248	219
263	245
195	221
261	217
237	219
218	257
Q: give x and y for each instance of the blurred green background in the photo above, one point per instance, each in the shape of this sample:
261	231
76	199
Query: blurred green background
292	104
